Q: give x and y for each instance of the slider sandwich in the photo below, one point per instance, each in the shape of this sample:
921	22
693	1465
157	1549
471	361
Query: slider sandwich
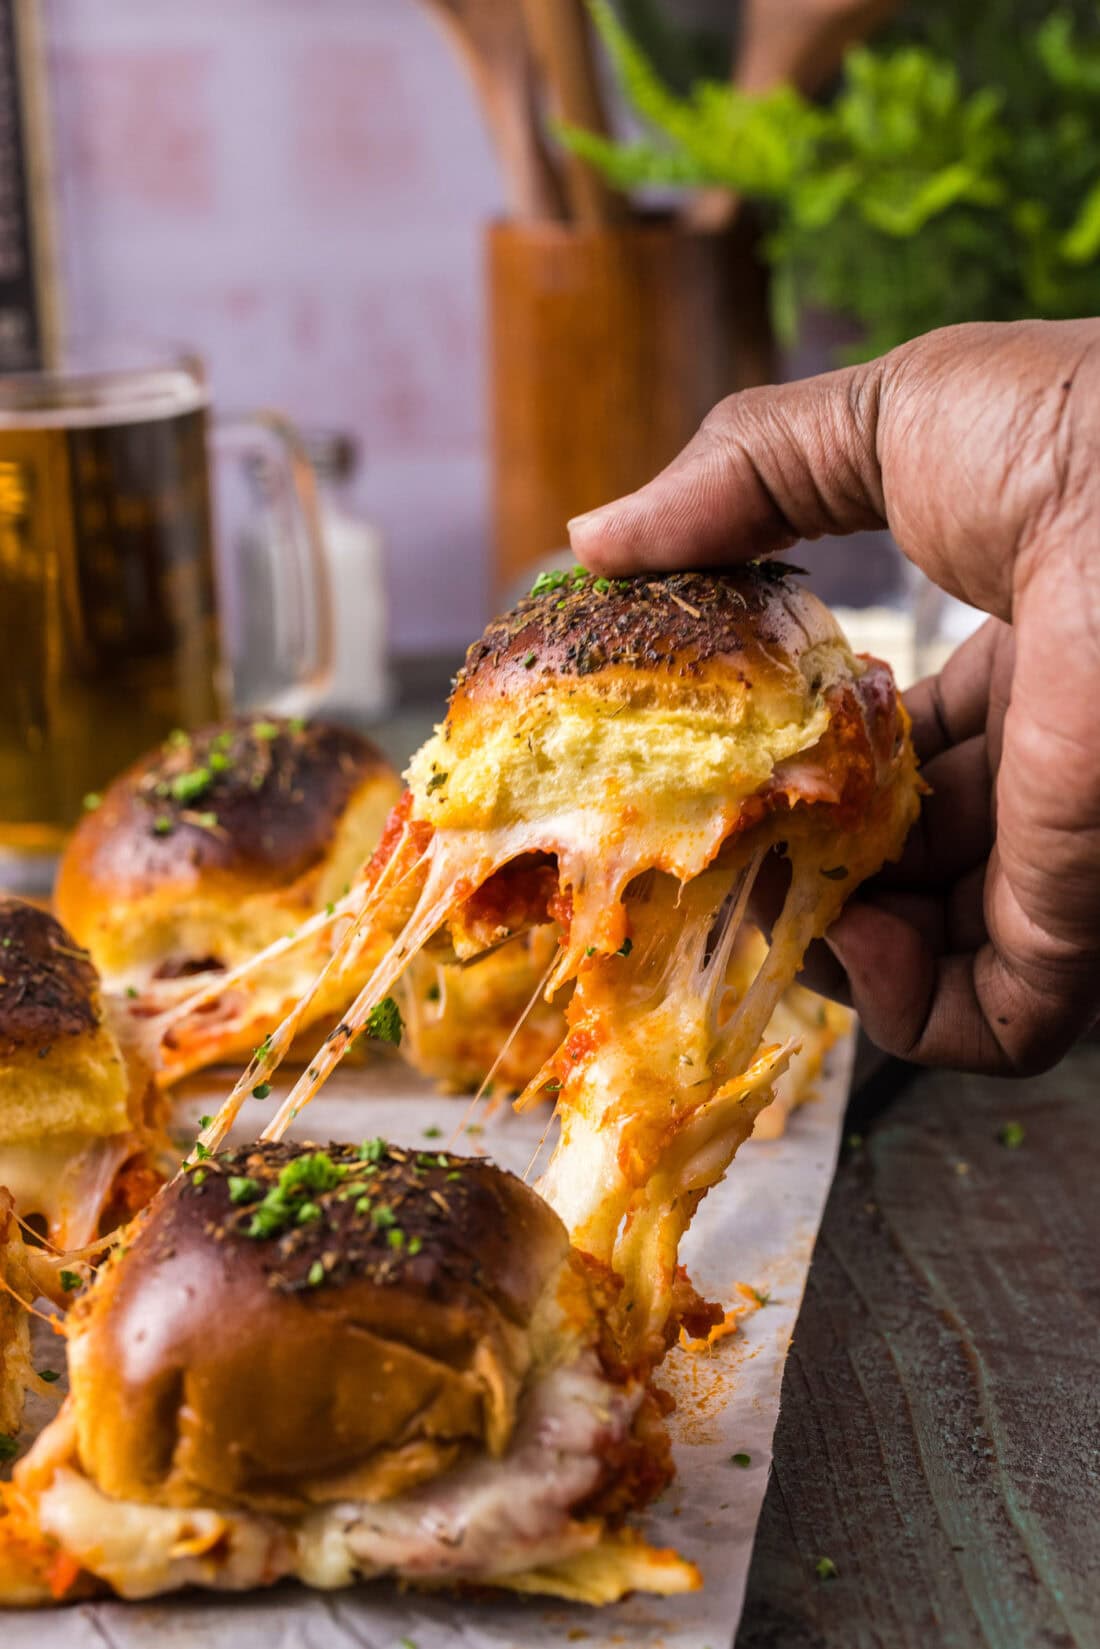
619	758
221	844
335	1365
81	1144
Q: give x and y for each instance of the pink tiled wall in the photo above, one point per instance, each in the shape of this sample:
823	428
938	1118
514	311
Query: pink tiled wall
296	187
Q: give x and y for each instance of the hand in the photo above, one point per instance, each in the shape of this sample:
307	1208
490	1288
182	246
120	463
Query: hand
979	447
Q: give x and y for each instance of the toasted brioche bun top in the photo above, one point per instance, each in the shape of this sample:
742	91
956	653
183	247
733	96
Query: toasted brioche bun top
666	695
60	1067
656	716
248	1355
219	841
48	986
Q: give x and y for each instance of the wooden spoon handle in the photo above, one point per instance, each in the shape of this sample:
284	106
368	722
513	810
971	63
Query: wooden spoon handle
491	42
558	31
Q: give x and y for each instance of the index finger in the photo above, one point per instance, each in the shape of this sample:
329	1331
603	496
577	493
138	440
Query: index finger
768	467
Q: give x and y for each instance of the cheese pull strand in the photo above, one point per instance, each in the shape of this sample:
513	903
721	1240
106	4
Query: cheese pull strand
661	1079
271	1053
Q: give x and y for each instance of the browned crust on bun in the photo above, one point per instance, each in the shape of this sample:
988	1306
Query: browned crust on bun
671	624
257	798
48	986
223	1360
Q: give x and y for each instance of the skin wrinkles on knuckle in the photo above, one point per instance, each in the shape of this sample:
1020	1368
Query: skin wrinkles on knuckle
1050	923
733	443
921	1033
1031	945
937	704
1051	777
1030	1021
864	407
985	447
803	460
1067	493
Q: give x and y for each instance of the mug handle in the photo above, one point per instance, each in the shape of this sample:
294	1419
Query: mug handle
289	537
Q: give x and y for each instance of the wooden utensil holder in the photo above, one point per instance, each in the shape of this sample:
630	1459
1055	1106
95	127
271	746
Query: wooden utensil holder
608	346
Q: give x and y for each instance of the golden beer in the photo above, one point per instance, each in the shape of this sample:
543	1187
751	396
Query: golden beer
108	613
109	624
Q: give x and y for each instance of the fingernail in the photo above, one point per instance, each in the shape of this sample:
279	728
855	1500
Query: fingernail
585	520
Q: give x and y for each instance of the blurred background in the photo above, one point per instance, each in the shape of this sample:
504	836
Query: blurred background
492	260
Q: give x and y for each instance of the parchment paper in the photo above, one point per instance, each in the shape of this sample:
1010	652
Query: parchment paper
758	1228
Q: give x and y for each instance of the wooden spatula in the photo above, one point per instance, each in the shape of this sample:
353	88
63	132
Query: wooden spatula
492	40
562	46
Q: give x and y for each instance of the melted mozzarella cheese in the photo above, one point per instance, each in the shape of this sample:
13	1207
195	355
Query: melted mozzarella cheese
16	1368
639	1142
67	1180
143	1551
488	1516
504	1522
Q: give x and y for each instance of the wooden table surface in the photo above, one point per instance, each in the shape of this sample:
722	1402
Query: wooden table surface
939	1436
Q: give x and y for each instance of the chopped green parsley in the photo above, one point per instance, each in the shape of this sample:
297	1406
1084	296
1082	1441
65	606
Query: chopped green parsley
549	581
189	786
384	1022
288	1201
243	1188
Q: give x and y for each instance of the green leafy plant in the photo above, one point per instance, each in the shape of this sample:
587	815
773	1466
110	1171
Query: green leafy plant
915	197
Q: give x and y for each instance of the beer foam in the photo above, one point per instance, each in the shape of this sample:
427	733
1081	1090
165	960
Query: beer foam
98	400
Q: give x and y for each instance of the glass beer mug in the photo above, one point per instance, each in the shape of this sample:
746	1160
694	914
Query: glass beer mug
111	595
